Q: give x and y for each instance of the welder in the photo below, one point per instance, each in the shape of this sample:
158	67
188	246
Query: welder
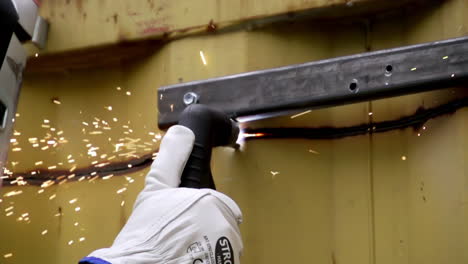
179	217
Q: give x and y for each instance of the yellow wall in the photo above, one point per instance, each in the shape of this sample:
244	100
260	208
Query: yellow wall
111	21
350	200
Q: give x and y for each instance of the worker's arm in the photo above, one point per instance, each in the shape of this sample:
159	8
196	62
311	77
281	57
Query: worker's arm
176	225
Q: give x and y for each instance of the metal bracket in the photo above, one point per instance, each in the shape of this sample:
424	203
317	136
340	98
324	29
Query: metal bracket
325	83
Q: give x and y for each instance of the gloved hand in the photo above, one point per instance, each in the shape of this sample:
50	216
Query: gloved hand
176	225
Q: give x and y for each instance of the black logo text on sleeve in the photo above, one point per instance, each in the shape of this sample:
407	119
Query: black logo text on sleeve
224	253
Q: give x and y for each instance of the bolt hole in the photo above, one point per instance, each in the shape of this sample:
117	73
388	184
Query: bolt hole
353	86
389	68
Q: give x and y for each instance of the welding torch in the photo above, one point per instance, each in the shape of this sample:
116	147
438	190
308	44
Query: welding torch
212	128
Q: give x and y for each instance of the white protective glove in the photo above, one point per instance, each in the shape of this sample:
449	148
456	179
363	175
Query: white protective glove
177	225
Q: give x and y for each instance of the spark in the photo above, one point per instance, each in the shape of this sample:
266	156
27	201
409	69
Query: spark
13	140
45	126
453	75
117	146
40	191
16	133
172	107
25	215
72	201
82	239
118	88
129	179
253	135
52	196
274	173
121	190
102	165
419	134
403	157
46	121
71	161
52	167
77	209
36	55
76	224
84	123
128	93
424	128
108	108
12	193
413	69
301	114
370	113
70	242
108	177
51	142
32	140
16	149
122	203
129	165
72	168
202	56
313	151
44	232
56	101
9	255
9	214
9	208
445	57
45	147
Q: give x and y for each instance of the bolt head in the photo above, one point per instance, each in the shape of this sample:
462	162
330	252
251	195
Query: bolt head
190	98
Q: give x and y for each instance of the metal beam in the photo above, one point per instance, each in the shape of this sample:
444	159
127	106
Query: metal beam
325	83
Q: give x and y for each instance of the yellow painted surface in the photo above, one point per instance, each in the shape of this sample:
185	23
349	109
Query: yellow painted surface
351	200
111	21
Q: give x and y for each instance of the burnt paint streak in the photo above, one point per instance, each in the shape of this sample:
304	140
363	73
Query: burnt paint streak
415	121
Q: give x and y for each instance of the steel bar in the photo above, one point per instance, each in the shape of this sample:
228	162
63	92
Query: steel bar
326	83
